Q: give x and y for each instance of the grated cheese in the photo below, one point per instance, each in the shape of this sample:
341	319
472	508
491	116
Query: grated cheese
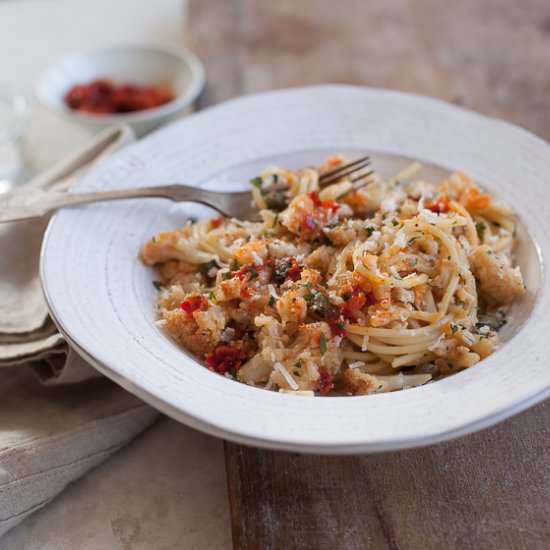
286	375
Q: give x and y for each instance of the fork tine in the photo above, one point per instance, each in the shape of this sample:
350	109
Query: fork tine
359	177
345	170
358	184
344	166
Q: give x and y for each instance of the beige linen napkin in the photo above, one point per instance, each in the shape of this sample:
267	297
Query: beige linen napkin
58	416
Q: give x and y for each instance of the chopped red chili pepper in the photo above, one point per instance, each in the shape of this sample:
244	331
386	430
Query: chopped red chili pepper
314	196
330	205
294	272
225	358
337	327
194	303
324	381
245	272
216	222
355	303
439	206
104	97
317	202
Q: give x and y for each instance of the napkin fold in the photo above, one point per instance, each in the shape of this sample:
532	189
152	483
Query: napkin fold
58	416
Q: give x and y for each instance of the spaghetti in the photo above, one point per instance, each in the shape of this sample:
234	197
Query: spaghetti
385	288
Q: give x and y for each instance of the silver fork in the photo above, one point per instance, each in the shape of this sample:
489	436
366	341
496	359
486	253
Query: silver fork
20	205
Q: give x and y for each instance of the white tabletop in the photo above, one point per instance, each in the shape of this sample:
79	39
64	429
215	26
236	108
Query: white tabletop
166	489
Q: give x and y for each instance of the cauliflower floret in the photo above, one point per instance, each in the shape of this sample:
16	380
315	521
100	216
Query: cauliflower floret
283	249
212	319
366	199
344	233
252	253
186	331
499	283
306	215
320	258
359	383
291	306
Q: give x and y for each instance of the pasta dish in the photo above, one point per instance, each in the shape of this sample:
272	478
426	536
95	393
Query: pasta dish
342	289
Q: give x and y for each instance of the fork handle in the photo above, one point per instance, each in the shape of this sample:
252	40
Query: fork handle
36	202
175	192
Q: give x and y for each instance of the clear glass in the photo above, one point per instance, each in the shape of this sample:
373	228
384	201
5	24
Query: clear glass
14	118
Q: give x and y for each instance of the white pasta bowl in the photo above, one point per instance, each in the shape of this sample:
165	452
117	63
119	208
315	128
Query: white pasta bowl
145	65
102	297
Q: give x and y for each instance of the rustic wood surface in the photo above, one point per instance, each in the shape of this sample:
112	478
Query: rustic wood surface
489	490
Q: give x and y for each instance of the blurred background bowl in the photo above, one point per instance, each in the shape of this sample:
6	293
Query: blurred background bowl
175	68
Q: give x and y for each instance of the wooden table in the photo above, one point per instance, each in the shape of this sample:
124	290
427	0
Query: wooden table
490	490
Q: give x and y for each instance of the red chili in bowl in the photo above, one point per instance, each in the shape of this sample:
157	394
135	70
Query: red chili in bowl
104	97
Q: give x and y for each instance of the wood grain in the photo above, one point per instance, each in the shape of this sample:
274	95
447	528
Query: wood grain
490	490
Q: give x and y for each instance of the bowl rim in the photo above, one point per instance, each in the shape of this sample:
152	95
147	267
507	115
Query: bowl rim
180	101
515	405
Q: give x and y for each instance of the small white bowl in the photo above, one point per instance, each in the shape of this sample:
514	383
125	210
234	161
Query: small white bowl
176	68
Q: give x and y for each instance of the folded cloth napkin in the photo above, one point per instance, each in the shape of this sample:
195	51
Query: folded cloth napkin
58	416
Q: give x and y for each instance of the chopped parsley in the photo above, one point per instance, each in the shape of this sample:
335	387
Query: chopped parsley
323	344
157	285
298	364
308	297
394	222
454	328
212	296
154	239
369	230
234	265
346	296
275	178
480	228
256	182
253	272
460	303
234	374
271	301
